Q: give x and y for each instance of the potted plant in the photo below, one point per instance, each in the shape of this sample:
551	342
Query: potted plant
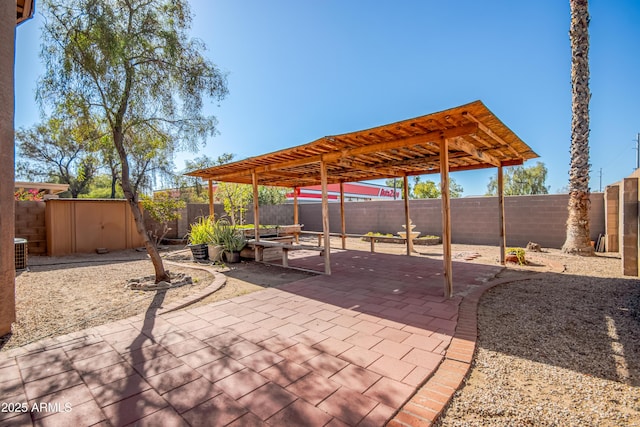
220	230
233	244
199	237
516	255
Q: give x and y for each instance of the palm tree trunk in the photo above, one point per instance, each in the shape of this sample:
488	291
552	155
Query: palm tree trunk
578	239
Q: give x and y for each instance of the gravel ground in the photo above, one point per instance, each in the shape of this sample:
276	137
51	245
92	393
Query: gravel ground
60	295
559	349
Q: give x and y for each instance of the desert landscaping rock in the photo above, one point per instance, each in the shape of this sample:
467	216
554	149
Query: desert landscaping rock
148	283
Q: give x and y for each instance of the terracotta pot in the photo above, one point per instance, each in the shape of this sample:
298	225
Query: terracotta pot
215	252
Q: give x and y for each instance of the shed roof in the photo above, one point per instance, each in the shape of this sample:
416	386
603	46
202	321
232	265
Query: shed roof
476	139
47	187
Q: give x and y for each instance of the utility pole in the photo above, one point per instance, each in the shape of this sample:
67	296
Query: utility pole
638	151
600	181
394	188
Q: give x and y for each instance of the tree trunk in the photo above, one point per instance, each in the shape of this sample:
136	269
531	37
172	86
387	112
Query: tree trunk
114	180
131	196
578	239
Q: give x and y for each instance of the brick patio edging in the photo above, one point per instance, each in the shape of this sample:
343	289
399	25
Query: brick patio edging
431	399
219	280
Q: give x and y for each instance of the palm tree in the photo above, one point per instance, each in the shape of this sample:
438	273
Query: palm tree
578	240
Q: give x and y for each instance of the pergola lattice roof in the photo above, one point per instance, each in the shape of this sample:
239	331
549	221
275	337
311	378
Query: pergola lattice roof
476	139
24	10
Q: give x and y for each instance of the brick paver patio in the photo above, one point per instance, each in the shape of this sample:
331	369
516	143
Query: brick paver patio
346	349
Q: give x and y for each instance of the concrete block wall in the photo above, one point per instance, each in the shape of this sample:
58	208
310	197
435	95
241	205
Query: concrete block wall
540	219
30	225
612	217
273	214
474	220
269	214
152	224
629	209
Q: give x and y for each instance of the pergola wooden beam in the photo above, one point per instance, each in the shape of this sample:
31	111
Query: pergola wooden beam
490	133
364	167
334	156
472	150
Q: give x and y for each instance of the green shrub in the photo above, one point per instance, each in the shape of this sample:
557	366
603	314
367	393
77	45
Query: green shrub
201	231
519	253
377	234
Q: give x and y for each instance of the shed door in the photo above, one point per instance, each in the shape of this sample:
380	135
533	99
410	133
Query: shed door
100	225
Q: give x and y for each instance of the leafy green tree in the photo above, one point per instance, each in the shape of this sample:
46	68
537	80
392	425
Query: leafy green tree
101	188
271	195
162	208
431	190
194	182
60	150
235	198
192	189
519	180
399	185
132	63
110	163
397	182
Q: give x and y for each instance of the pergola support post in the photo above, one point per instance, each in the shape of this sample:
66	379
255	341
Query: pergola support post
211	209
295	211
446	218
256	213
343	226
325	217
407	218
501	224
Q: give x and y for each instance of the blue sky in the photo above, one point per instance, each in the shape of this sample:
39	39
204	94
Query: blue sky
299	70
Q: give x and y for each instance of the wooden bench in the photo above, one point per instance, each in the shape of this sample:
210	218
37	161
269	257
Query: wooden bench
285	247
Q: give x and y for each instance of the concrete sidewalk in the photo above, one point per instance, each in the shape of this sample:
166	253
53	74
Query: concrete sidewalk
345	349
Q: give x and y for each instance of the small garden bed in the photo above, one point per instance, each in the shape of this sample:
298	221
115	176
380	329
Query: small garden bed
390	238
271	230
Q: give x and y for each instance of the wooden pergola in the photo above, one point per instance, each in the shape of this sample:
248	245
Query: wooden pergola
461	138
